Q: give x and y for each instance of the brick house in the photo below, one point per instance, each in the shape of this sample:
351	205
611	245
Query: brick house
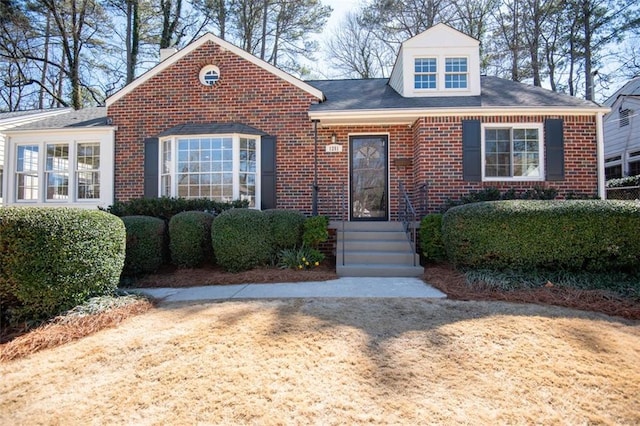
211	120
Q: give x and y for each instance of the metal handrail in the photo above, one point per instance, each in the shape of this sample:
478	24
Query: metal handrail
408	216
343	211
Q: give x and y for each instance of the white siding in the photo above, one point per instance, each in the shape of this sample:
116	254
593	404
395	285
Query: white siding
396	81
626	139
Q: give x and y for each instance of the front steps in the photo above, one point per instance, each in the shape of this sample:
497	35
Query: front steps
375	249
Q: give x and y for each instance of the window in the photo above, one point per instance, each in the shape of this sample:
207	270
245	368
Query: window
220	167
624	117
455	73
88	171
613	167
69	172
27	173
425	73
512	152
209	75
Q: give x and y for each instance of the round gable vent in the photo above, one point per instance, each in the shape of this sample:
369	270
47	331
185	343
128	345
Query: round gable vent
209	75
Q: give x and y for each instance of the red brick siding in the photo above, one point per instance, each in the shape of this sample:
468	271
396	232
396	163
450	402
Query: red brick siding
438	153
245	94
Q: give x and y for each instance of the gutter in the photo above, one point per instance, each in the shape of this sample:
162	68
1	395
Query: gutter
602	191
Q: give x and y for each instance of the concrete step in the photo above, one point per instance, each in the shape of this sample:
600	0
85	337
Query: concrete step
372	235
370	226
377	258
358	270
383	245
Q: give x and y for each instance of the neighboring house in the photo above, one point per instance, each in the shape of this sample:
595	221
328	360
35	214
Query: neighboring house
211	120
622	132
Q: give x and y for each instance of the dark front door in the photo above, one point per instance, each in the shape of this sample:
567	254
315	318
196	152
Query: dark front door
369	171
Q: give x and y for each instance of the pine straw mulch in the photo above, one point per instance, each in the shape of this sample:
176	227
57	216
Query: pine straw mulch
454	284
65	329
214	275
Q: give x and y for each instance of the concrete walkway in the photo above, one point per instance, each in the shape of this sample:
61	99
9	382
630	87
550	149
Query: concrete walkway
341	287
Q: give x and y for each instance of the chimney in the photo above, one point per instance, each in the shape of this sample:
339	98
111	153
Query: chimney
165	53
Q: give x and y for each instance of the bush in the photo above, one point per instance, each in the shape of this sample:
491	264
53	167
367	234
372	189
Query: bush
285	227
431	238
190	238
494	194
52	259
165	207
240	239
146	244
316	231
580	235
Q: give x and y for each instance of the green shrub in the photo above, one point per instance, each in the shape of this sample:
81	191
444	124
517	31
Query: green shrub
146	244
494	194
52	259
166	207
316	231
240	239
431	238
285	227
190	238
589	235
299	258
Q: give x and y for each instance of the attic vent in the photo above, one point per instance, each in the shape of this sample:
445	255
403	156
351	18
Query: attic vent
209	75
624	117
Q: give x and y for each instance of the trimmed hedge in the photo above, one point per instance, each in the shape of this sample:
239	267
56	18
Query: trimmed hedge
240	239
52	259
190	238
431	238
166	207
286	227
580	235
146	238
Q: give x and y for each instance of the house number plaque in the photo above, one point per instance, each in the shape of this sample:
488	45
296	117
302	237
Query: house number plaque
334	147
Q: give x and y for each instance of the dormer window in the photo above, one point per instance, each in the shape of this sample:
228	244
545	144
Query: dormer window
425	76
455	73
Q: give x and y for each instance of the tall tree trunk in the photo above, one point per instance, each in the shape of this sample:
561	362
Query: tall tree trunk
263	41
45	64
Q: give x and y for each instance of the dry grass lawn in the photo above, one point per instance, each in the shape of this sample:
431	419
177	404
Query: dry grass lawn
330	361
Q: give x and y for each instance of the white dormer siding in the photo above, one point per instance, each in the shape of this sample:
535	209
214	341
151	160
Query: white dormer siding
440	61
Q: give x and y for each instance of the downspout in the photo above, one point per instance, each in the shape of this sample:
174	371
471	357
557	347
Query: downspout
314	200
602	191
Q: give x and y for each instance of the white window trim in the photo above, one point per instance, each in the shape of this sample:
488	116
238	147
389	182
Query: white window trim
235	137
42	173
539	127
437	73
445	73
441	73
204	71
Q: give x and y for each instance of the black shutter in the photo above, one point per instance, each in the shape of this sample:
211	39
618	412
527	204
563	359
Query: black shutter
471	151
554	148
151	172
268	173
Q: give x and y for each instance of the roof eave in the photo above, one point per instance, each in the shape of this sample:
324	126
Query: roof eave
409	115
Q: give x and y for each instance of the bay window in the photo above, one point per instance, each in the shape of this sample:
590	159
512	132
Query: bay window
512	152
219	167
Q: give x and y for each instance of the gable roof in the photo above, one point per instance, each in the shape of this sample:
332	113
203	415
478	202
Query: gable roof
210	38
631	88
376	99
17	118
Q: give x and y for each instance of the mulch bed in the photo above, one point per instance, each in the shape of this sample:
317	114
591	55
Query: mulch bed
454	284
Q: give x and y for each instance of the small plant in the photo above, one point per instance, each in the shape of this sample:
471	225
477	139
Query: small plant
316	231
299	258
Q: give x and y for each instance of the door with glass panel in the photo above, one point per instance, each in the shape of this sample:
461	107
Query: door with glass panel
368	160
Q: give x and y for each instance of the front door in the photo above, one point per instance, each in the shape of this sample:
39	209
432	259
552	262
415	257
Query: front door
369	171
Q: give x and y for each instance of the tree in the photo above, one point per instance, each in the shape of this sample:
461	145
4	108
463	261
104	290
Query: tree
355	49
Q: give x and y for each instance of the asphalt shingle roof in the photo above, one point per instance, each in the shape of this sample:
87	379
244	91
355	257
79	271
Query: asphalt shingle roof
86	117
496	92
211	128
631	88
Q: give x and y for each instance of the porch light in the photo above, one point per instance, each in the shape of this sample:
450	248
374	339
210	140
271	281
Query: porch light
334	138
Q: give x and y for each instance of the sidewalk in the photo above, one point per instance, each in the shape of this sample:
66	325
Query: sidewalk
339	288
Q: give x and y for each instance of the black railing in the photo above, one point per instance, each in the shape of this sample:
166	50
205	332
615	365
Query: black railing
344	217
408	216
